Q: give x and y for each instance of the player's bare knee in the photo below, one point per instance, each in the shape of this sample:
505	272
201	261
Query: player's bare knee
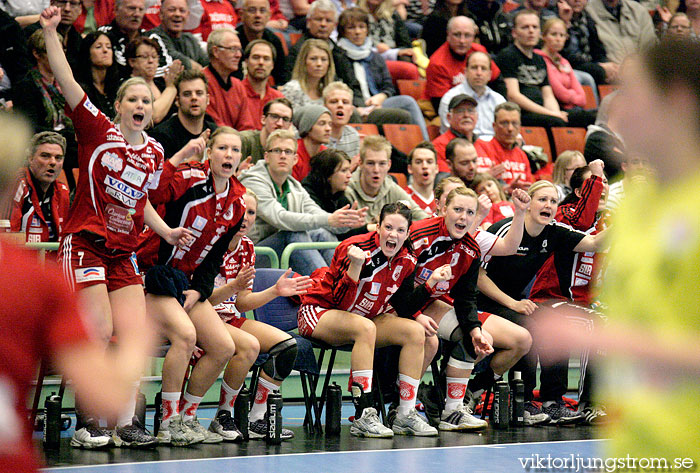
365	331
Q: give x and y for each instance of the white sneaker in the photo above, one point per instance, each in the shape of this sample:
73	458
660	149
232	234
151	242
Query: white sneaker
413	424
176	433
207	435
90	436
369	425
460	419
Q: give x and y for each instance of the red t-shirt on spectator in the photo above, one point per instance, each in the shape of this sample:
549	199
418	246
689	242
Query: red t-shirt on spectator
514	160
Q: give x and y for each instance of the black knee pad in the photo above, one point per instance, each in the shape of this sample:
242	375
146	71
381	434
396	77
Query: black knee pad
464	351
281	360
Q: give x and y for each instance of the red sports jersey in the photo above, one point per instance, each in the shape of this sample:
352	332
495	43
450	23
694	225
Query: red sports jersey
243	254
514	160
38	318
568	276
115	177
434	248
151	18
27	215
379	280
429	206
190	202
499	211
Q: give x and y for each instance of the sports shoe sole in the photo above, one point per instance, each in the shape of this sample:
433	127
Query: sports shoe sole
447	427
361	433
78	444
412	433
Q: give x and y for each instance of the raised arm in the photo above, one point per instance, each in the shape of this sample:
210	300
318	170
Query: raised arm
508	245
593	243
49	20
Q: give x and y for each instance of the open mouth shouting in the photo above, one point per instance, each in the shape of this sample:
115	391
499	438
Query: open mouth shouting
138	118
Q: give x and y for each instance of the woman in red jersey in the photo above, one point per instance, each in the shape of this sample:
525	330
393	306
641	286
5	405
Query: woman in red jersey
350	303
207	199
445	240
117	163
232	297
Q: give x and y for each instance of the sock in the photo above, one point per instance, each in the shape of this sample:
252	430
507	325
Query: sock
456	388
189	405
497	377
363	378
171	407
259	408
127	416
408	387
227	397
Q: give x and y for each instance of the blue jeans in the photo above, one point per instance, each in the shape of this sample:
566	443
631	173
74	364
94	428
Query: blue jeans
408	103
585	78
303	262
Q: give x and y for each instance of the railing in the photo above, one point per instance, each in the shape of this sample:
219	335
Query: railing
307	245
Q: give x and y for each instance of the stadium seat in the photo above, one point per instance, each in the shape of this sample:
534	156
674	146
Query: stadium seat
401	179
606	89
403	137
294	37
414	88
590	98
509	5
283	40
365	129
537	136
433	131
568	138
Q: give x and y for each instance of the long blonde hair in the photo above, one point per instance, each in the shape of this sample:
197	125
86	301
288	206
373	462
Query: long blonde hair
384	10
300	72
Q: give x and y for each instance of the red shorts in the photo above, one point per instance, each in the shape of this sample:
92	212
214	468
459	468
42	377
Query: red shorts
237	321
483	316
308	317
87	262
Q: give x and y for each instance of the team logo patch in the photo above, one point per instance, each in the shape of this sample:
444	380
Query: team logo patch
421	242
112	162
90	107
229	213
199	223
374	290
455	259
89	274
397	273
134	176
456	391
425	274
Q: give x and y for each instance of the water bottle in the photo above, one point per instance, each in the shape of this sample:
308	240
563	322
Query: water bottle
334	404
500	411
517	400
241	409
274	419
52	421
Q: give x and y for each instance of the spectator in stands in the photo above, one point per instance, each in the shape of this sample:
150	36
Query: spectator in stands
337	97
174	42
462	159
501	157
525	75
215	15
565	165
389	37
679	25
313	70
40	202
538	6
562	78
329	177
416	13
70	38
448	63
320	23
462	117
142	57
603	140
93	14
259	57
14	58
692	9
191	118
494	31
126	27
276	115
97	73
583	48
488	185
372	187
373	75
422	166
313	123
624	27
478	74
228	103
286	213
38	97
436	24
635	172
255	15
